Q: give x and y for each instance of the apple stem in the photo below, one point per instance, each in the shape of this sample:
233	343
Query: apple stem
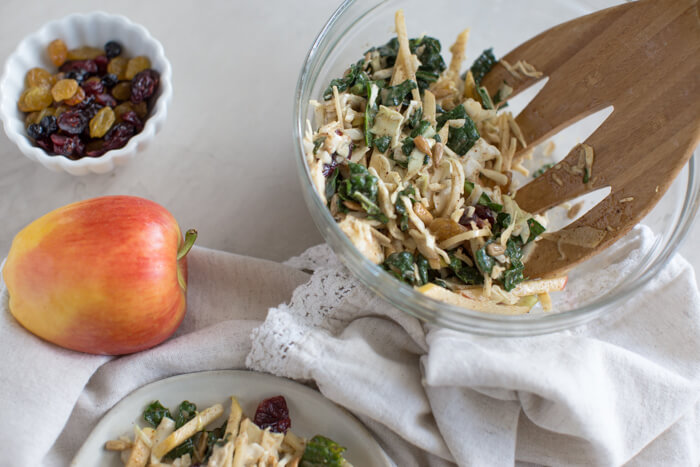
190	237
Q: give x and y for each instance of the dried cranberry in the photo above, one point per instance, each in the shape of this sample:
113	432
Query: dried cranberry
95	148
113	49
329	168
73	121
106	100
273	413
35	131
144	85
69	146
131	117
90	107
87	66
119	135
46	145
110	80
49	124
101	62
481	214
93	87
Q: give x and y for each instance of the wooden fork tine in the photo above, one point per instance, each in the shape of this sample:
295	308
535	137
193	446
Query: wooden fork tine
560	183
539	52
637	183
558	252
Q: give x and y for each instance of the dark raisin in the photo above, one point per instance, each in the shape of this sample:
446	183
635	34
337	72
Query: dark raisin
329	168
49	124
144	85
90	107
73	121
481	214
110	80
78	75
88	66
112	49
69	146
93	86
119	135
46	145
273	413
131	117
35	131
106	100
101	62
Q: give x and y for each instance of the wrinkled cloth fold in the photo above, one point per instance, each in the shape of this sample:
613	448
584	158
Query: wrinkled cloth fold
624	388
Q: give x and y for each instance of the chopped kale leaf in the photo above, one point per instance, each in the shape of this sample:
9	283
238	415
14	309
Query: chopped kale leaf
467	274
400	264
381	143
483	65
420	129
410	192
486	101
352	75
514	274
407	146
361	186
154	413
332	184
395	95
322	452
415	118
484	261
460	140
536	229
318	142
185	412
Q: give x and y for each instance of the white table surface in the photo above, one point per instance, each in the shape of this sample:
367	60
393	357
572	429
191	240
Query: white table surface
216	165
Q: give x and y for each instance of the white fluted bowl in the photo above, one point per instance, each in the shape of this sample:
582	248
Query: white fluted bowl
93	29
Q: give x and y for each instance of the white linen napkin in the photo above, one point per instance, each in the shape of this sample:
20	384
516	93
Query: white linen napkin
624	388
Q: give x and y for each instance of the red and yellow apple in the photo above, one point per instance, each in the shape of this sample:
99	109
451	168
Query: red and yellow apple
104	276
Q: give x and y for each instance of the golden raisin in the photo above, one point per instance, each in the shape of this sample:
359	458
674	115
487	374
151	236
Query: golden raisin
58	52
121	109
32	117
85	53
77	97
34	99
60	109
444	228
117	66
38	77
64	89
141	109
122	91
136	65
101	122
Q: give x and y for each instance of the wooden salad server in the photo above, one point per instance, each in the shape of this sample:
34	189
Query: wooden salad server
643	58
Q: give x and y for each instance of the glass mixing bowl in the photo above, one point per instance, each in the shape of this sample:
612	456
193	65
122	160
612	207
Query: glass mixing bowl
502	24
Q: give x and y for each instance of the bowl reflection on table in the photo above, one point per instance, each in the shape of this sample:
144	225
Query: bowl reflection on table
360	24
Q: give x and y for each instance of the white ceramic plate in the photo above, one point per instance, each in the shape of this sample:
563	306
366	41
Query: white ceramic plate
309	411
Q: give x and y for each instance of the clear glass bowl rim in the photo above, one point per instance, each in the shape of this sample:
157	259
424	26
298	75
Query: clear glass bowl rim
417	304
